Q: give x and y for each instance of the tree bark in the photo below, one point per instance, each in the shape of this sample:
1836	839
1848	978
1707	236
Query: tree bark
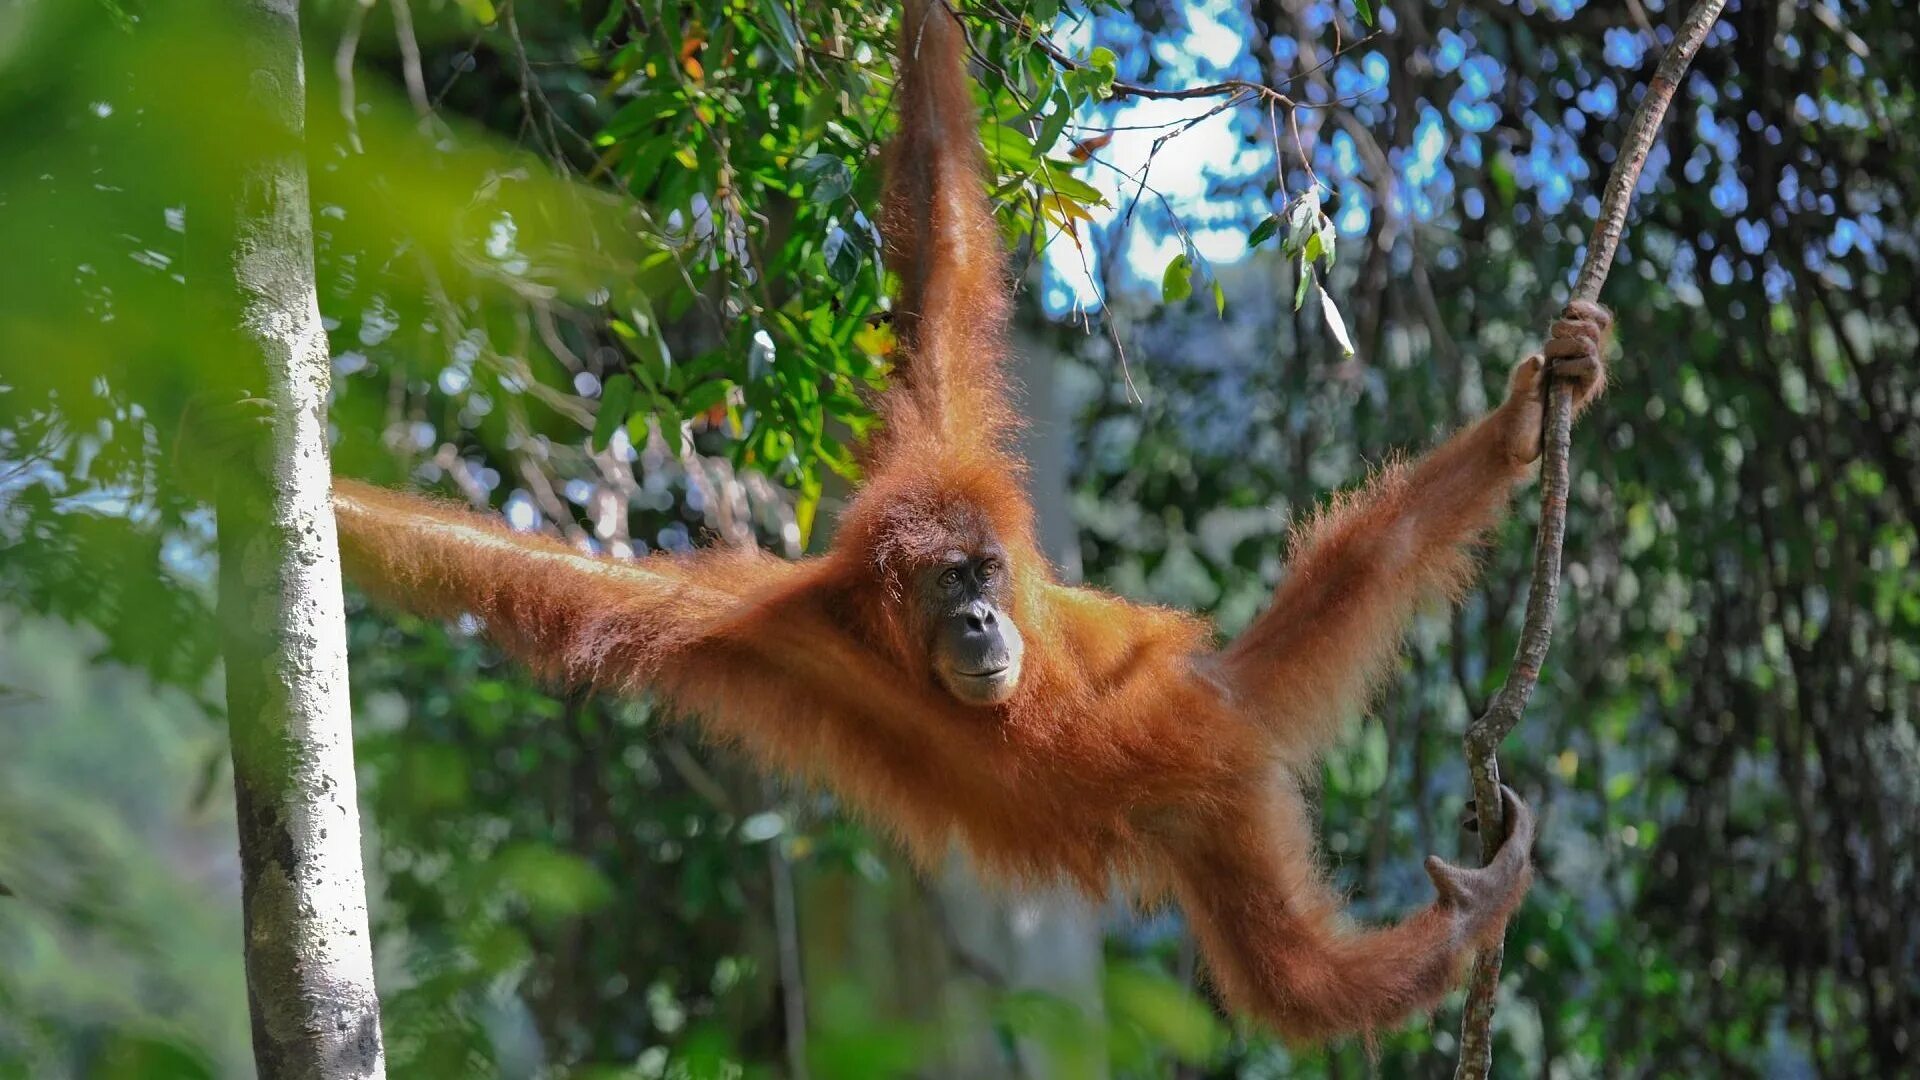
309	959
1543	600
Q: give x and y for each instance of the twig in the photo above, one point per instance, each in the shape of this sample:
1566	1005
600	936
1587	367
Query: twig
1234	87
1485	734
343	70
786	924
410	69
530	85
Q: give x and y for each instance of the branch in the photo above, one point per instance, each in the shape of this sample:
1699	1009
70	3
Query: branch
1225	88
1543	600
343	71
410	70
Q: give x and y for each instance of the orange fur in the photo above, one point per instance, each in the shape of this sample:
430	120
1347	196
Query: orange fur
949	392
1129	749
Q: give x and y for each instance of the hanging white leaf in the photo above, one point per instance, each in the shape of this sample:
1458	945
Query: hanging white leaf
1334	322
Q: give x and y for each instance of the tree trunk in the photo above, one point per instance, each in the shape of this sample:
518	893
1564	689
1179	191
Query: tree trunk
309	959
1046	941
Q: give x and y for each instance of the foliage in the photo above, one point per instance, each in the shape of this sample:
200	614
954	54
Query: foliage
611	270
747	293
112	962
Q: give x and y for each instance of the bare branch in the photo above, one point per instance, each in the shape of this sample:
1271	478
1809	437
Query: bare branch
410	70
1485	734
1226	87
343	70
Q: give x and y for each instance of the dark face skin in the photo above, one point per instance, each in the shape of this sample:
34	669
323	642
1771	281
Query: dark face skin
975	647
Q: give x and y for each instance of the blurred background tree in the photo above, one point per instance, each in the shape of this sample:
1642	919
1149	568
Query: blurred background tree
608	269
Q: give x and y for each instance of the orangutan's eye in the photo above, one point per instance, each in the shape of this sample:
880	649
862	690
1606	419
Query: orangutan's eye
949	579
989	569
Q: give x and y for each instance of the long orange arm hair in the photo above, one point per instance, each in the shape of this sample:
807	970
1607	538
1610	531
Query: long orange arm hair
952	309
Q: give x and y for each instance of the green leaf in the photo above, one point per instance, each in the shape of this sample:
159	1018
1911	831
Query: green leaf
1500	172
1098	76
642	168
1070	187
615	397
1219	299
1042	74
481	10
775	12
1176	284
1055	123
705	396
551	882
667	414
1264	231
1364	9
603	30
805	506
1009	149
1166	1010
1620	785
846	251
1300	288
827	178
643	114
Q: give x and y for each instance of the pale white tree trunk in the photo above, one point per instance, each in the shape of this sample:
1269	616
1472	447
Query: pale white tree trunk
1038	941
308	955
